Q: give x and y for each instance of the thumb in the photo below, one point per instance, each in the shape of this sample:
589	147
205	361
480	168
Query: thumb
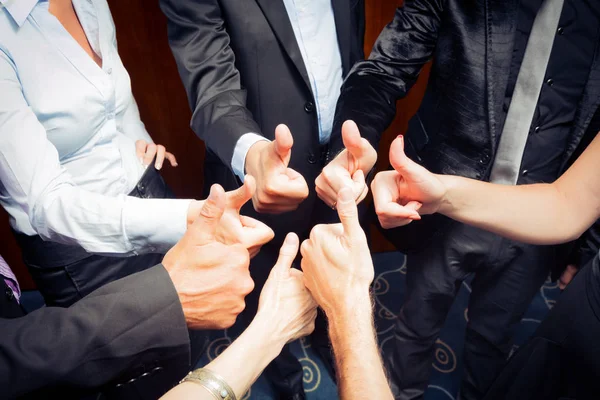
205	225
400	162
351	138
238	197
283	143
348	213
287	254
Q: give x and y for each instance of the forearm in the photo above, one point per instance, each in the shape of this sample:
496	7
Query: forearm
239	365
360	370
537	214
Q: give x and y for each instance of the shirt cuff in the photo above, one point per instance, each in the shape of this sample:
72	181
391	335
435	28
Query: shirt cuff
154	225
238	161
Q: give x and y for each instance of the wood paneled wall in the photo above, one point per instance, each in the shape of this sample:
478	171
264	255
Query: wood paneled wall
143	46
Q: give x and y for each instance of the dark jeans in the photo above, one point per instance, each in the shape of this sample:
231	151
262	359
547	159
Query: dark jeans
507	276
562	359
66	273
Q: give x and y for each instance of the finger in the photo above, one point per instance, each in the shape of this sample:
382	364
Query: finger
140	149
400	162
260	232
171	158
328	196
210	215
283	143
150	153
240	196
287	254
363	194
160	156
351	138
392	215
348	213
359	185
295	187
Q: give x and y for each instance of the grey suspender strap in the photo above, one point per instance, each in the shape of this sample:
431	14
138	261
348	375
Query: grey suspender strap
509	154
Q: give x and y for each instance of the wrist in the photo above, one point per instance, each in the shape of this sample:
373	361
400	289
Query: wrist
267	340
253	157
446	205
357	302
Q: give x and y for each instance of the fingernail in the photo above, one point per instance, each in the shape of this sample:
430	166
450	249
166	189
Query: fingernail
142	160
158	165
418	206
346	195
291	239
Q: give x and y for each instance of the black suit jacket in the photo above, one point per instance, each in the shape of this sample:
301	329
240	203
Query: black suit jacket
243	72
456	128
132	326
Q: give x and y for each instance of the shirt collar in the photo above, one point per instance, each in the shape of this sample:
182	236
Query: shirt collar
19	9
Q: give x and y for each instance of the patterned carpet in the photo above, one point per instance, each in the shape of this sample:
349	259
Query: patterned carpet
389	290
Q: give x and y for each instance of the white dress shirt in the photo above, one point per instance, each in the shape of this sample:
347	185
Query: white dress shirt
67	136
314	27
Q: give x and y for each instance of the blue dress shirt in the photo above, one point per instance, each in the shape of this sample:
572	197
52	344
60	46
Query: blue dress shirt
314	27
67	136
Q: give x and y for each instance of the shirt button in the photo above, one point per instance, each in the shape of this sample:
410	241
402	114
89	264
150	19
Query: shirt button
109	71
537	129
561	30
309	107
550	82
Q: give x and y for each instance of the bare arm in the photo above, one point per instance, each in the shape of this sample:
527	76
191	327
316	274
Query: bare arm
359	367
539	214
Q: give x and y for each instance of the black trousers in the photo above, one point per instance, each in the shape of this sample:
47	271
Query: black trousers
64	274
562	359
507	276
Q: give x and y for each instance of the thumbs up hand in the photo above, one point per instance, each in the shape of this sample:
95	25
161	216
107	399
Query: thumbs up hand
279	188
286	306
348	169
336	260
404	193
211	277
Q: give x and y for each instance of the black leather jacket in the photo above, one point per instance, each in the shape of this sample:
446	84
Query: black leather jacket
455	131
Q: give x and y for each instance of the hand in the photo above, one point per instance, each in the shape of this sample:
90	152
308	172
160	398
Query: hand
336	260
211	278
404	193
235	228
348	168
279	188
286	306
146	151
567	276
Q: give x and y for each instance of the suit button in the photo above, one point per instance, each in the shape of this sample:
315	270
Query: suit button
550	82
536	129
525	172
312	159
484	159
561	30
9	294
309	107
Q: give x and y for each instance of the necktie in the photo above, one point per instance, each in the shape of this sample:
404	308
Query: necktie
526	94
9	278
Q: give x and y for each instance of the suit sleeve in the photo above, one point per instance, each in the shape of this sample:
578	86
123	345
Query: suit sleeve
200	44
373	86
129	322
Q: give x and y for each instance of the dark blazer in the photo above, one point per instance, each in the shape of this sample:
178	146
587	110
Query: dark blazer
243	72
455	131
134	324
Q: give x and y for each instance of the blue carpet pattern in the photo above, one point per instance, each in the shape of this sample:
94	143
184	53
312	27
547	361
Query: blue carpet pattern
389	290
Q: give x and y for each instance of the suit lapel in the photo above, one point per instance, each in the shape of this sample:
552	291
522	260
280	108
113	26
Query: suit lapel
501	25
341	12
276	14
